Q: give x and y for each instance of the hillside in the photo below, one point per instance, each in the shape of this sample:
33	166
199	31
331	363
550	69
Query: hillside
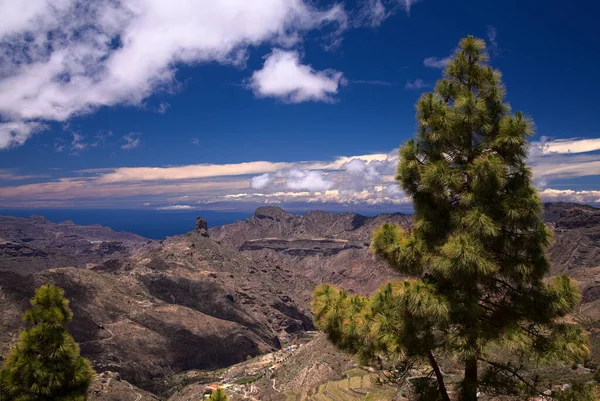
150	311
184	303
325	247
34	244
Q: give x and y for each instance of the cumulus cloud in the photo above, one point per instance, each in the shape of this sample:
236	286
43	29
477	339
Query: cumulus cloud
436	62
15	133
357	180
308	180
569	195
261	181
132	140
294	178
68	57
416	84
284	77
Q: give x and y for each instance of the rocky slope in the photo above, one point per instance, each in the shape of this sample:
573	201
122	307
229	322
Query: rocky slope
329	247
148	309
35	244
185	303
325	247
576	236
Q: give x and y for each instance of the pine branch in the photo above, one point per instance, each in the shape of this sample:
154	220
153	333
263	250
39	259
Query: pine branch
514	373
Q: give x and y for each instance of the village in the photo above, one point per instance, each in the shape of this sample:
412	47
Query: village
239	379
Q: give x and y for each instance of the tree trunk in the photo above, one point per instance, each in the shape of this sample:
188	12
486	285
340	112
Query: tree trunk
469	388
438	376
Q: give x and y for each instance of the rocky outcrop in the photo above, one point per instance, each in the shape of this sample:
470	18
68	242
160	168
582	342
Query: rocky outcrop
201	227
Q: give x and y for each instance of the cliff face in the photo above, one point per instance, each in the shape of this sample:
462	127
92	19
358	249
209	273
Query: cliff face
329	247
576	236
324	247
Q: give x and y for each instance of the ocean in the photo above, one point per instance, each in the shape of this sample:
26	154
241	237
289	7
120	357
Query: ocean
153	224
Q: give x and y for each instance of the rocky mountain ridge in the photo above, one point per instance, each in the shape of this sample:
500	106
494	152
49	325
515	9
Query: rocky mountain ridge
147	310
325	247
35	244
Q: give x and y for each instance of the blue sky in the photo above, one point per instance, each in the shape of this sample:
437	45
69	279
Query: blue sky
200	104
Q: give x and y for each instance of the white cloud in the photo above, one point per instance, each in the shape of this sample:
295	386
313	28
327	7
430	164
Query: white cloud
197	171
175	207
564	158
360	180
261	181
195	141
132	140
416	84
77	143
108	52
407	4
163	107
547	146
308	180
569	195
436	62
373	13
15	133
285	78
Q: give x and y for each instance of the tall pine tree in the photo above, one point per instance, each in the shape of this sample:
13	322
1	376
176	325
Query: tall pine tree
46	365
475	255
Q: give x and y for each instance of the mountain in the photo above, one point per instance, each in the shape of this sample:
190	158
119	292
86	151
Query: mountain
35	244
576	236
325	247
149	311
165	307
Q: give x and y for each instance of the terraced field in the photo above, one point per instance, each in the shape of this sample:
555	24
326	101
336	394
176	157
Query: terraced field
358	385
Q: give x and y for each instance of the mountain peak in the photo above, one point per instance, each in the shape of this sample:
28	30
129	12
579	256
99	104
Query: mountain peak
271	212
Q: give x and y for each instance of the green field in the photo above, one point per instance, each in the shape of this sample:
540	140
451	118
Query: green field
358	385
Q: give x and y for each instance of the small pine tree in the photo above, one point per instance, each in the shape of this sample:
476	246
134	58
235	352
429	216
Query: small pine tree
476	253
218	395
46	365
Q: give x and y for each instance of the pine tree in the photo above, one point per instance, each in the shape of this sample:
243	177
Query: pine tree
475	255
218	395
46	365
